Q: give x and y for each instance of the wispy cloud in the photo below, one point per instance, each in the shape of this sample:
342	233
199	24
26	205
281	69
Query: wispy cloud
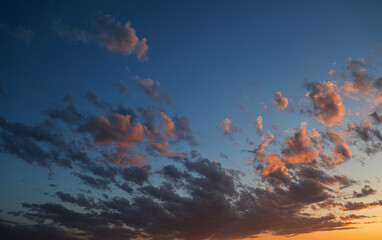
19	33
109	33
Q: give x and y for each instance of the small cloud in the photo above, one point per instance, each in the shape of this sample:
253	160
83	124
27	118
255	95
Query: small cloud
259	126
110	33
226	125
365	191
150	87
242	107
280	101
265	106
229	130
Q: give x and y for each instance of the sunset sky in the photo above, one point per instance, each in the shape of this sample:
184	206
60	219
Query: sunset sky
190	120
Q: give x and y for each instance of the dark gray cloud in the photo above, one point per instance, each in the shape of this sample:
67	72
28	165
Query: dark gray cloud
354	217
81	200
377	118
192	198
353	206
66	111
97	183
12	230
365	191
205	201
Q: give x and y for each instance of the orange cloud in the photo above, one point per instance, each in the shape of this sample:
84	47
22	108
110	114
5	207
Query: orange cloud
327	103
116	129
299	148
280	101
340	151
273	163
162	149
169	125
226	124
264	143
259	125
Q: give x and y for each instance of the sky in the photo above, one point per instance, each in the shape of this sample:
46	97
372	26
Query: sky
190	120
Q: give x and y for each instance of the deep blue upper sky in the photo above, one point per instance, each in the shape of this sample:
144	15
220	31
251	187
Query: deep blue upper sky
206	55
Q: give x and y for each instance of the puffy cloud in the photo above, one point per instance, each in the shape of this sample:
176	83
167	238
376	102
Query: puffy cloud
280	101
340	150
259	125
361	80
137	175
229	130
110	33
332	72
361	83
377	118
274	165
327	103
116	129
300	148
370	137
118	37
170	171
226	124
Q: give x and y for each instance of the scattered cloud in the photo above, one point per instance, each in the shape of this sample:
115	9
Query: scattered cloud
280	101
259	125
365	191
109	33
229	130
327	103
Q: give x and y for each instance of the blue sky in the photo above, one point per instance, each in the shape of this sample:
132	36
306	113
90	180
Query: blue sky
216	60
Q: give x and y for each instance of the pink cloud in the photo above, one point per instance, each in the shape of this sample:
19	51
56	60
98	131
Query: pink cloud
259	125
280	101
169	125
327	103
226	124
